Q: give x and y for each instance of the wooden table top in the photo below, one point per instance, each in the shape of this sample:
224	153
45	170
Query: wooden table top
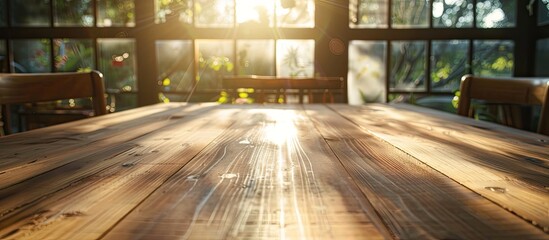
208	171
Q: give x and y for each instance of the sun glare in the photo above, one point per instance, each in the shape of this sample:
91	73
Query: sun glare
254	11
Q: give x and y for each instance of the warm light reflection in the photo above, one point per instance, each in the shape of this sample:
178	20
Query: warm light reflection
281	132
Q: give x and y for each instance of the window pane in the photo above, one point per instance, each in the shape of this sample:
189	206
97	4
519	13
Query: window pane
215	60
493	58
543	12
31	56
255	12
30	13
496	13
542	58
295	58
410	14
115	13
3	56
117	63
73	55
173	10
174	60
453	13
366	76
256	57
214	13
408	65
295	13
368	13
3	15
448	64
73	13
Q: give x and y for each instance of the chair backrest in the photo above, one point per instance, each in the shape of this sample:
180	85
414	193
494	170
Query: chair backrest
327	84
39	87
515	90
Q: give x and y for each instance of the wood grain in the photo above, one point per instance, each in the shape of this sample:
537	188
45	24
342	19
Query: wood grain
510	170
271	176
415	201
208	171
85	198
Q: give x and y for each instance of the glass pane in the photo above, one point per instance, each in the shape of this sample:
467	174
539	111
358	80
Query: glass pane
174	61
542	58
295	58
3	15
214	13
496	13
256	57
368	13
448	64
30	13
493	58
453	13
543	12
3	57
215	60
295	13
31	56
73	13
115	13
117	63
173	10
366	76
255	12
410	14
408	65
73	55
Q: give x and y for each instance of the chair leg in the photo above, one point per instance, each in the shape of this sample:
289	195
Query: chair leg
326	94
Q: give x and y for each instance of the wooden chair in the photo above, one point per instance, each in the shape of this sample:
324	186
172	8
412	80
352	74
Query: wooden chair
519	91
284	85
42	87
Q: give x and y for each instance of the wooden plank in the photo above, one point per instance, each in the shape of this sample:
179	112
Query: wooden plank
510	170
26	155
85	198
271	176
414	201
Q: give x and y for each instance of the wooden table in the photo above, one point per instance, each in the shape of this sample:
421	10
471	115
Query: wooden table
207	171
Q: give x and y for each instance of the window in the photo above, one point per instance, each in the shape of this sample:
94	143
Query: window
117	63
31	55
256	57
3	16
542	57
3	57
493	58
444	13
30	13
449	62
408	65
366	77
175	65
543	12
368	13
453	13
295	58
164	50
73	55
496	14
75	13
410	14
115	13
